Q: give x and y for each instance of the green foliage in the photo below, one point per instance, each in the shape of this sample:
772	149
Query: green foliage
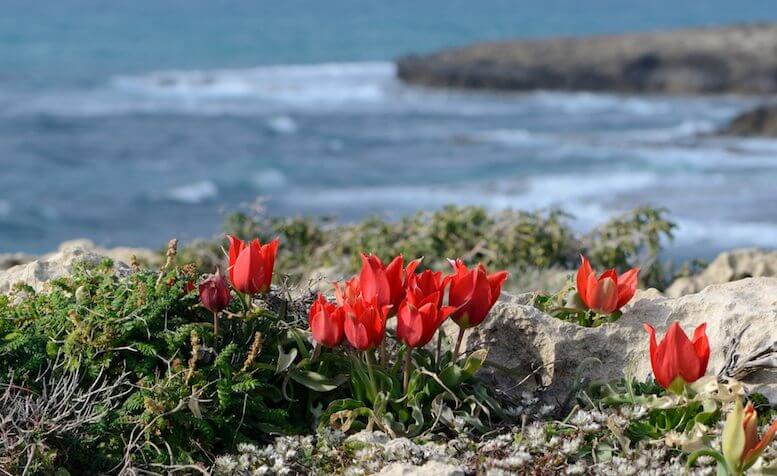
439	394
190	393
514	240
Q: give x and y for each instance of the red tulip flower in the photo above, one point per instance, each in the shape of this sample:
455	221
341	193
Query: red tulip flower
677	360
348	293
473	293
607	293
385	283
417	322
326	322
420	286
251	265
365	323
214	292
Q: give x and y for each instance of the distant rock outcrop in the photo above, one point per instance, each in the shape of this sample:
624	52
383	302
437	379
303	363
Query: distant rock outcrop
759	122
740	59
728	266
38	273
119	253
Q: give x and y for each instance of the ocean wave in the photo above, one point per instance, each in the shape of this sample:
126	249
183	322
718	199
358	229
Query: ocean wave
508	137
282	125
293	84
270	179
193	193
568	191
583	103
723	234
687	128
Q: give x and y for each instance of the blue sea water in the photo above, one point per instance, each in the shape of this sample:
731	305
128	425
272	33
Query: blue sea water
130	122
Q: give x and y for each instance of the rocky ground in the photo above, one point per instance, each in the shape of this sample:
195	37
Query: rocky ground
709	60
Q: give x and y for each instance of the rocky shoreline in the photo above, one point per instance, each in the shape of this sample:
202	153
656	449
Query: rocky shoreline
734	59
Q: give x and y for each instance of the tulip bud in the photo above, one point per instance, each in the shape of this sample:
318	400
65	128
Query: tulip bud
326	322
365	323
214	292
741	446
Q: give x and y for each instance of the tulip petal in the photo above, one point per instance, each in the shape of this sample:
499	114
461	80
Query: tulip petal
701	346
393	272
481	301
235	247
608	295
410	325
627	286
356	333
750	425
582	278
495	281
753	454
679	356
373	280
461	289
591	297
653	357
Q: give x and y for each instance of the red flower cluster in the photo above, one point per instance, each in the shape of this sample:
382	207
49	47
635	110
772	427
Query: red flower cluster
364	303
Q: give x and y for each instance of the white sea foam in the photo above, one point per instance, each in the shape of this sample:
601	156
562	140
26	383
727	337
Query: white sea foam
294	84
588	103
689	128
508	137
282	125
193	193
270	179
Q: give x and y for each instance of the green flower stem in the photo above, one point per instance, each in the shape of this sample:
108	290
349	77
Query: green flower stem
215	327
247	301
408	366
458	344
439	350
370	362
316	353
382	352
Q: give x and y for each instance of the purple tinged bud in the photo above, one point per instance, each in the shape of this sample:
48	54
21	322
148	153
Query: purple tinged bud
214	292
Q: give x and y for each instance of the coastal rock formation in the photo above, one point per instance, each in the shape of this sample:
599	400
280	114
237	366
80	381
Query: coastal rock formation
759	122
521	338
9	260
119	253
707	60
727	267
37	273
